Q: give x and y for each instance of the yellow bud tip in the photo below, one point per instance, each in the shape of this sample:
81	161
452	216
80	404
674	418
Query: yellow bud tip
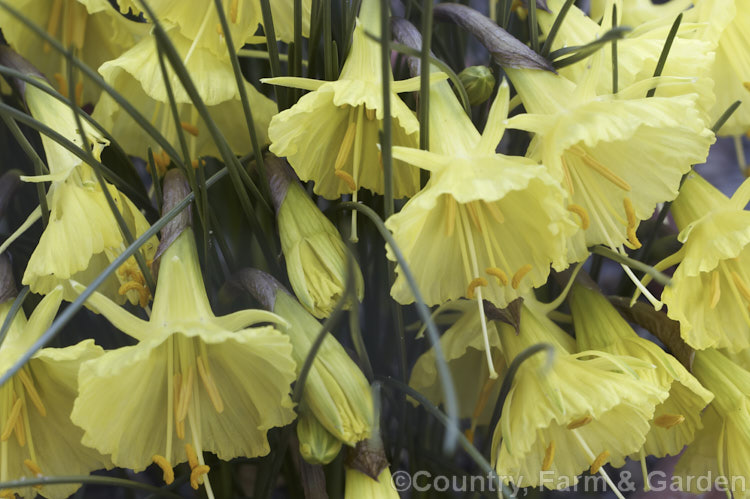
233	11
346	178
192	456
577	423
474	284
501	276
668	421
346	146
549	455
520	275
600	461
582	214
33	467
162	463
10	424
190	128
62	85
196	476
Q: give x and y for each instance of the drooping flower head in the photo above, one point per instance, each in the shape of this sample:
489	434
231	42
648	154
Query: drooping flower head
92	28
710	291
316	256
336	391
197	382
722	449
330	136
581	412
37	437
82	236
617	155
676	420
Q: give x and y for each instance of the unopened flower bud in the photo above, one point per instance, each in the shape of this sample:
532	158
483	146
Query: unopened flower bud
478	82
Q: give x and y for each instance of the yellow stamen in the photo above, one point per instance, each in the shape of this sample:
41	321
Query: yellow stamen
600	168
579	422
168	472
208	383
474	284
53	24
715	289
10	424
219	31
186	393
346	146
566	175
469	434
667	421
28	384
450	219
33	467
20	433
629	212
471	206
143	292
501	276
370	113
79	94
197	162
520	275
190	128
582	214
633	238
600	461
7	493
62	84
192	456
549	455
741	286
746	84
233	11
179	429
494	210
196	476
346	178
179	425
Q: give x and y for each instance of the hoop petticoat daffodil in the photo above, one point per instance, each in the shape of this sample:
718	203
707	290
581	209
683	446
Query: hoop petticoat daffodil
710	290
580	412
721	449
137	76
38	438
330	136
599	326
616	155
196	382
82	236
93	28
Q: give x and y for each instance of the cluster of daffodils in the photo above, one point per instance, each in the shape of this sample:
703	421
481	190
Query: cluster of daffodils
137	103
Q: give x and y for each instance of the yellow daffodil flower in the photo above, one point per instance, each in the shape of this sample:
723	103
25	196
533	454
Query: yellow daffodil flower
137	76
688	65
336	391
710	291
616	155
722	448
582	411
315	254
637	12
195	382
82	236
38	438
330	135
727	25
95	31
599	326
